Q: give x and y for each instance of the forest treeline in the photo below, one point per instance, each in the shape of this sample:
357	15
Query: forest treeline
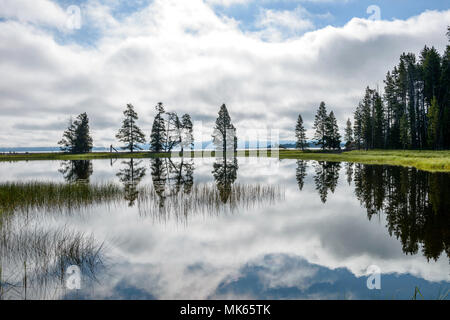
412	113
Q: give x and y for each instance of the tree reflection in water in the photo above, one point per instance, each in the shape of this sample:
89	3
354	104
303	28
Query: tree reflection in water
416	204
225	174
300	173
131	176
326	178
76	170
174	193
171	176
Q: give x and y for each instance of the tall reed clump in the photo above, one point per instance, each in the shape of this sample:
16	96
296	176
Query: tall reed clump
35	260
206	199
49	196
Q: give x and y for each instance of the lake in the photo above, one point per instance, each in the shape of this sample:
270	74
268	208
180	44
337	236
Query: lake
237	228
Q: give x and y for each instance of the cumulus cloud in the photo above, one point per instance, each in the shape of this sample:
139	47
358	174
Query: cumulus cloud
43	12
184	54
280	24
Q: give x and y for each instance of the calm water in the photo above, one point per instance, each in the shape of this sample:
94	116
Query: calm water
209	229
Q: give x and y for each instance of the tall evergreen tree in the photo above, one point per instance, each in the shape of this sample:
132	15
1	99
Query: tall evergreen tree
378	122
173	131
130	133
158	135
77	138
333	137
357	127
187	139
348	137
366	119
433	124
445	96
68	140
300	134
224	136
404	132
320	126
390	101
431	73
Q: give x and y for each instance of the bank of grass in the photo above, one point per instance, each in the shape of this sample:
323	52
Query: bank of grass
28	196
434	161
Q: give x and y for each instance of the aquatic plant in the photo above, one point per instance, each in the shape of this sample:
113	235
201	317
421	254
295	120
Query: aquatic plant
206	199
49	196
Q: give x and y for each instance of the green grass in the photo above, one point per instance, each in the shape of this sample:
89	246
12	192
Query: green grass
28	196
434	161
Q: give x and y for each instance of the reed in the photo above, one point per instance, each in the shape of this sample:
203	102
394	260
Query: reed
42	196
206	199
35	260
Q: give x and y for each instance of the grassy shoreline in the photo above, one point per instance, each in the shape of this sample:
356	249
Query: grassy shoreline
434	161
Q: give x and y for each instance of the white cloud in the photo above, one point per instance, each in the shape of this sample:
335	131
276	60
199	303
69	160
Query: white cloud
185	55
37	11
227	3
280	24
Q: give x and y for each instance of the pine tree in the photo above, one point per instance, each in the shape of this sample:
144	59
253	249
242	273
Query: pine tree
77	139
433	123
300	134
357	127
390	100
68	140
404	132
158	135
173	131
187	139
224	136
431	73
378	121
320	126
366	117
332	137
445	96
130	133
348	135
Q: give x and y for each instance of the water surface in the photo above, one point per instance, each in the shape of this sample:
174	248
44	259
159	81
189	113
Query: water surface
215	228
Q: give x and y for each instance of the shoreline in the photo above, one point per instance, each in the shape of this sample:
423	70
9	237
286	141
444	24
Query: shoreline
433	161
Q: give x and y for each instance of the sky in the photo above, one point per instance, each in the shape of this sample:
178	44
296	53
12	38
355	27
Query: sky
267	60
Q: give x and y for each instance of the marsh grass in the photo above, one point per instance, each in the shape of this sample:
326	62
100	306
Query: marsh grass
433	161
34	261
26	197
206	199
